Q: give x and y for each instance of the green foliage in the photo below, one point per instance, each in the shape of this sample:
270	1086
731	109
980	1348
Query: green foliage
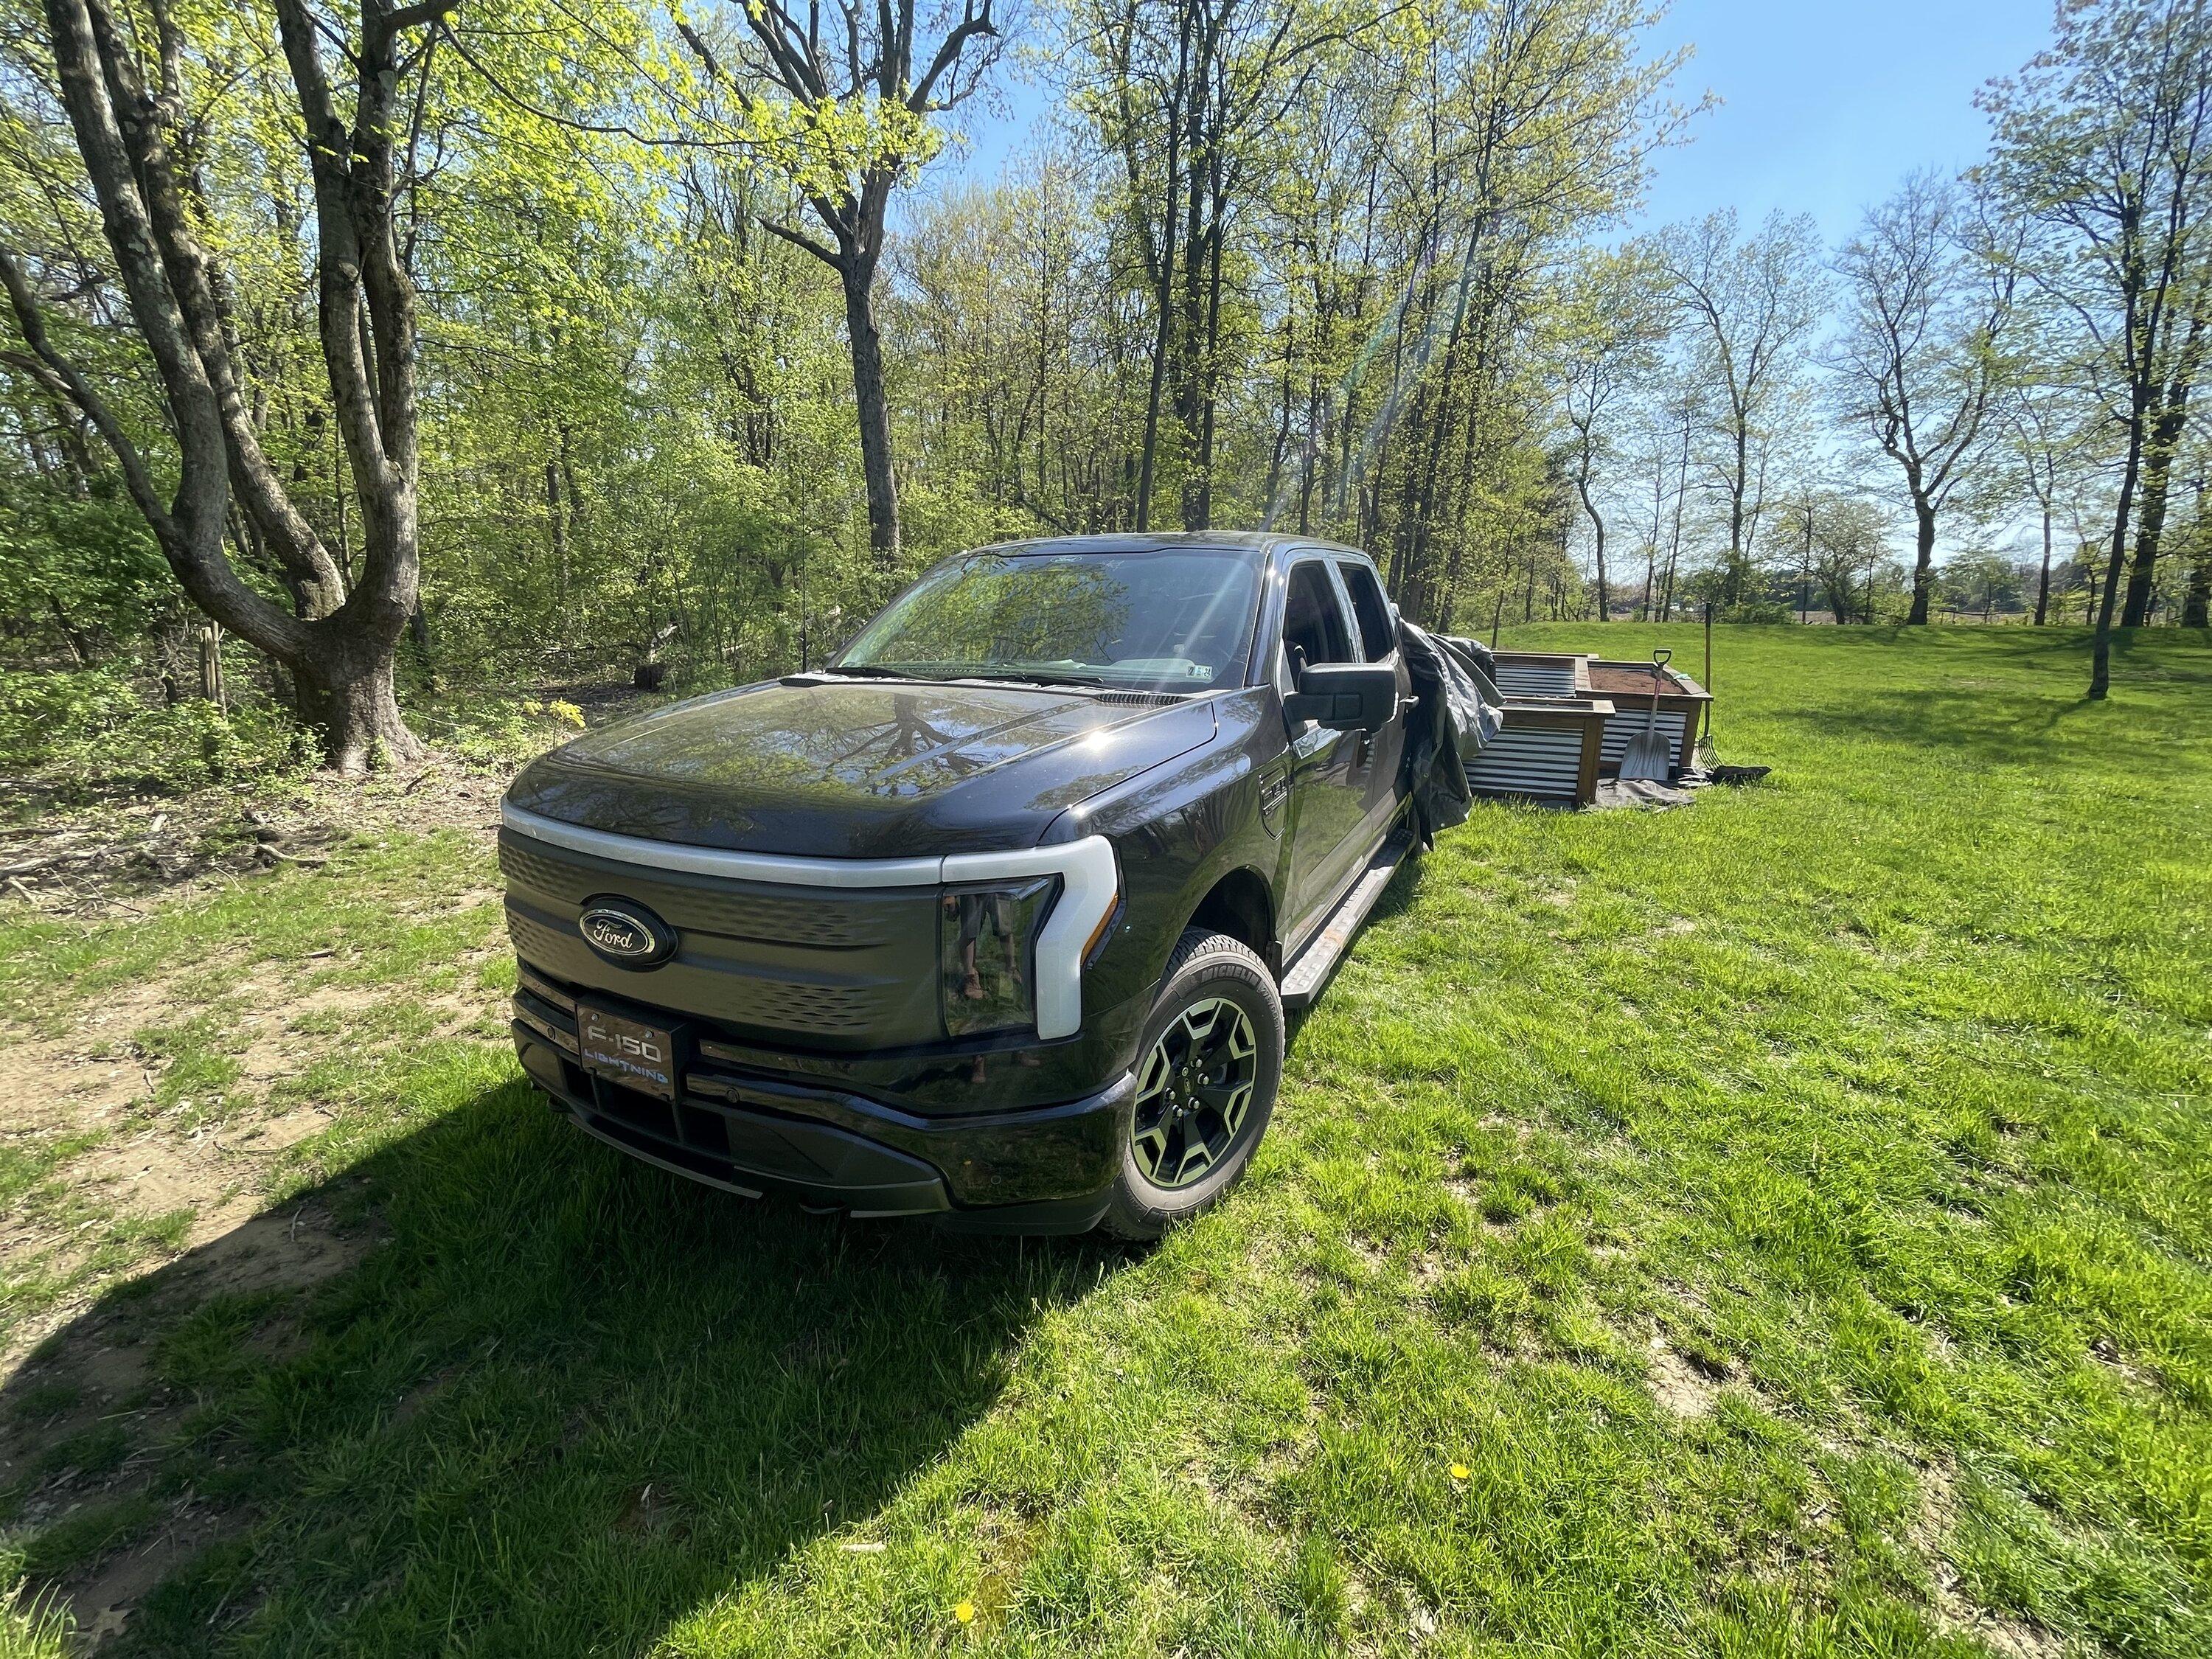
79	574
82	732
492	729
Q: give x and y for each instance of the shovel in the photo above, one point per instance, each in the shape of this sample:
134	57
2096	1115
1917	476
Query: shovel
1648	759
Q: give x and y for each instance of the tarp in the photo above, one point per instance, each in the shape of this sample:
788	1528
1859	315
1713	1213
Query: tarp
1460	710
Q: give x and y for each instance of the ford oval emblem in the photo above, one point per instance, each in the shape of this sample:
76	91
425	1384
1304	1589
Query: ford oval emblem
629	935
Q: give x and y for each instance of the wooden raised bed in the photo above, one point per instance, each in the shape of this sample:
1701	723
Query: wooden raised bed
1547	749
1542	674
1682	705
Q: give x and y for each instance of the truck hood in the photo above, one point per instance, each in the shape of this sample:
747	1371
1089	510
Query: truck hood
859	768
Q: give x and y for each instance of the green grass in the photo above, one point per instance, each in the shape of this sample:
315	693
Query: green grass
1781	1226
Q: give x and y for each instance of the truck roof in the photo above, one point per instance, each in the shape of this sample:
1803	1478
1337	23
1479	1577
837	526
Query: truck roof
1259	543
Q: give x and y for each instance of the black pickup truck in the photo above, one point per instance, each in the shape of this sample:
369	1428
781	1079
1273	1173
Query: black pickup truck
995	917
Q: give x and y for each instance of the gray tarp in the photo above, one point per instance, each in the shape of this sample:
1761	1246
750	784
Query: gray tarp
1460	710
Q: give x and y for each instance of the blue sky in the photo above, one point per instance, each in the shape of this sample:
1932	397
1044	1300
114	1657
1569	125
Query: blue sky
1826	106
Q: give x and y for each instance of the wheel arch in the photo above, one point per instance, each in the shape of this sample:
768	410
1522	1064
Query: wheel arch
1241	904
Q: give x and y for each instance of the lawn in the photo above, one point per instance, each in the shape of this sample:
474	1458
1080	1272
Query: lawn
1781	1225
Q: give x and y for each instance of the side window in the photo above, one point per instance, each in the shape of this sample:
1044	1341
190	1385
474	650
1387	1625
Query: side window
1313	622
1373	611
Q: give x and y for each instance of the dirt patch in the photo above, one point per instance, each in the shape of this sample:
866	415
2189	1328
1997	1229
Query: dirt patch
277	1251
124	858
96	1383
1683	1388
1933	1523
105	1600
190	1175
55	1085
1611	681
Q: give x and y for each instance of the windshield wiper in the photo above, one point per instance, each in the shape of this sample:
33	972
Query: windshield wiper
880	672
1041	676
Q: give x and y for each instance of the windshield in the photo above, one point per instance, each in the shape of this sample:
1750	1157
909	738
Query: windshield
1178	621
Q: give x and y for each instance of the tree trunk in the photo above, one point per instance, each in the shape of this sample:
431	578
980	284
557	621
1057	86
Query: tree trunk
872	405
2164	440
2043	583
1163	272
1923	561
559	530
1597	529
354	701
1740	486
1201	515
2100	657
1805	574
2150	520
2196	599
210	643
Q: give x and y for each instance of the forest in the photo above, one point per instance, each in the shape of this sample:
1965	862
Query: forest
373	374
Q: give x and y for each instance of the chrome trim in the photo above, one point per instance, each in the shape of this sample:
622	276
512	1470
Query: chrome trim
1090	885
773	867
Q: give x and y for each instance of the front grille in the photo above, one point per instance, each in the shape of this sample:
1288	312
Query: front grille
845	923
829	969
683	1131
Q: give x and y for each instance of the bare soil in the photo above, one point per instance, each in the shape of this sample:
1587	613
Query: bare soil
124	857
92	1081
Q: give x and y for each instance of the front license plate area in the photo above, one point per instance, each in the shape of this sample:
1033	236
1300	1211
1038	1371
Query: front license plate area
627	1051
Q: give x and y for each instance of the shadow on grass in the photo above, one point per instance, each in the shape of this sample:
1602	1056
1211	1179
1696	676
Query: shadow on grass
2004	728
497	1387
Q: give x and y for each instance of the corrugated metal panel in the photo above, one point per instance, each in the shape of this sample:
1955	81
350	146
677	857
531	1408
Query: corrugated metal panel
1536	679
1541	761
1625	727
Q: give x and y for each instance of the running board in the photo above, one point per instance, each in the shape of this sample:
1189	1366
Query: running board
1304	978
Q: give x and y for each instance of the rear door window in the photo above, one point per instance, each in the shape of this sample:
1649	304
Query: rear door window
1378	634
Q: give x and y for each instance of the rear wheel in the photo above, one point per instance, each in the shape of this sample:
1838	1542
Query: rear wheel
1210	1061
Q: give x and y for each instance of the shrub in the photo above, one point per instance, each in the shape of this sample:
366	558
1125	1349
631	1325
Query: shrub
82	732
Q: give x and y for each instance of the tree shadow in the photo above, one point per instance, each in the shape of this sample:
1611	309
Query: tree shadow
497	1387
2006	728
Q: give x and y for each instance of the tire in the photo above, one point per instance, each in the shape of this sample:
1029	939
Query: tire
1176	1162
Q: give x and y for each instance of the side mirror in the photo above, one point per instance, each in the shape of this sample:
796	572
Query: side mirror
1346	696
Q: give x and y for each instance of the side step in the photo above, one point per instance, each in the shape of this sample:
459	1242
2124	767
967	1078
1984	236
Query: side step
1304	978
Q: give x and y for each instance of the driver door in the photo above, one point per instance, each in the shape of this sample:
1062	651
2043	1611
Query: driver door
1328	770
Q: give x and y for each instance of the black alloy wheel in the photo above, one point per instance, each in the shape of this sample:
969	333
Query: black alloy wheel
1209	1062
1194	1092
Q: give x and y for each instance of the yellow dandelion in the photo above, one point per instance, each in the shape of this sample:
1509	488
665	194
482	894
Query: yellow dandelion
964	1612
1460	1471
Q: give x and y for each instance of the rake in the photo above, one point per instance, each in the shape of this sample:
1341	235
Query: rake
1707	757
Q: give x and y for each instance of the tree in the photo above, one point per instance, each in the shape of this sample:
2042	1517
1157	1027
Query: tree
2045	444
1610	327
1929	306
2102	142
1980	581
1187	97
1749	307
846	113
2197	594
1846	540
338	638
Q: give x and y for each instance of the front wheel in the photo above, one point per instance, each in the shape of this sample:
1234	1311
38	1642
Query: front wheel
1210	1061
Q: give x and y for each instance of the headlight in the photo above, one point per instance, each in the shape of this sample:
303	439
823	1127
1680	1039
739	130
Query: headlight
987	954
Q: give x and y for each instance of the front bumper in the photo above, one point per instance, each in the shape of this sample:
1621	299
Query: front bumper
1039	1169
